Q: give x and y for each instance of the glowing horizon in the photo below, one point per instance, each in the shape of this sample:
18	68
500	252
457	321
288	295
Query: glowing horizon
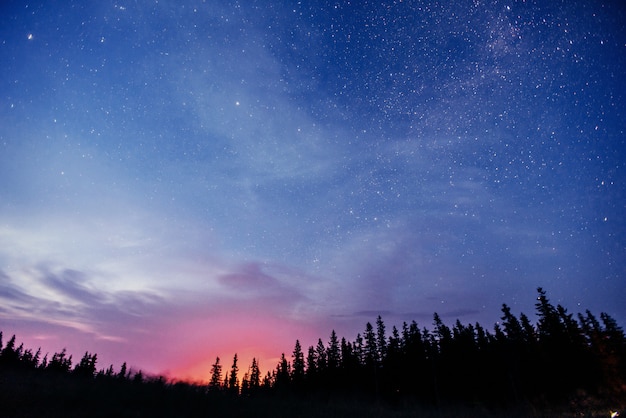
186	180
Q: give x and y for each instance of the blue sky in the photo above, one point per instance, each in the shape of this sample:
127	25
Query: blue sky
234	176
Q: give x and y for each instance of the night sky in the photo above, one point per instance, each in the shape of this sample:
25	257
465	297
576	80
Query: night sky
181	180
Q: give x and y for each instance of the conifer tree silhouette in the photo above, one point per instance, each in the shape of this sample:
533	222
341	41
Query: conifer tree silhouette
60	362
381	339
30	360
512	326
371	347
10	356
311	374
268	381
283	372
255	376
359	349
87	365
333	354
233	380
123	374
321	359
371	360
245	384
548	326
298	366
349	366
109	372
392	364
528	330
216	375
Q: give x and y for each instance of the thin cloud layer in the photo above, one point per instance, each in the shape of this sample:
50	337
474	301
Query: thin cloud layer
182	181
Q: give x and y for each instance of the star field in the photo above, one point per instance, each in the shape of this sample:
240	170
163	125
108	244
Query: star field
234	176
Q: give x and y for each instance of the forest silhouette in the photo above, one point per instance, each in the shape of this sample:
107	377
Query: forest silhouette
562	365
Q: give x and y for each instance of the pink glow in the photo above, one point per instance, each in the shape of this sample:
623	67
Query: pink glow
179	342
249	335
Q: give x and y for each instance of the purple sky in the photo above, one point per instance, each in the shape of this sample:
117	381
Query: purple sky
186	180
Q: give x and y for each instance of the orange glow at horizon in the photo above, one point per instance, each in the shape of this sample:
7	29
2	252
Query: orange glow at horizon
263	337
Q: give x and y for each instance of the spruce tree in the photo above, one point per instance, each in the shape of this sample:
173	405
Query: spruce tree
548	326
333	354
245	384
283	372
60	362
512	326
371	347
359	350
297	372
381	339
10	356
233	381
255	376
322	359
87	365
122	373
529	333
216	375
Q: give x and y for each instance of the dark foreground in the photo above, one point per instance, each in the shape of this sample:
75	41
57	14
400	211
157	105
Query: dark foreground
35	394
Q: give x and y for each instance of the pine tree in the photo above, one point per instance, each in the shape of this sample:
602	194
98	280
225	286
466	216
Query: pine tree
614	332
443	335
122	373
548	326
572	331
44	363
322	359
381	339
87	365
359	351
530	335
371	348
311	364
371	361
393	365
348	358
283	372
60	362
591	327
482	338
297	372
233	381
10	356
268	381
512	326
393	346
36	358
109	371
332	353
216	375
255	376
245	384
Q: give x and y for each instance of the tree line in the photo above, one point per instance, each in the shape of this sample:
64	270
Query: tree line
557	358
560	358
